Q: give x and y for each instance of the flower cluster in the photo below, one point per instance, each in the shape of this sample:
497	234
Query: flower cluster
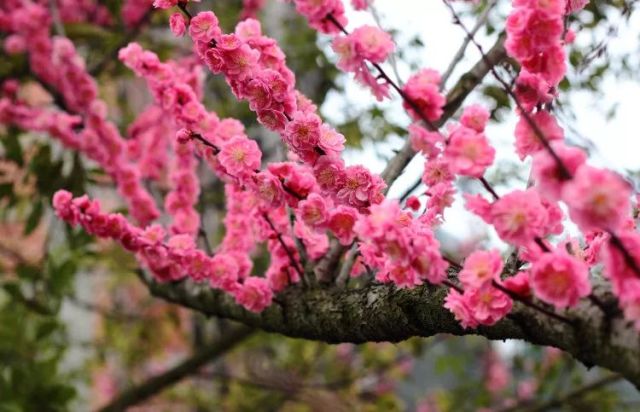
403	250
169	259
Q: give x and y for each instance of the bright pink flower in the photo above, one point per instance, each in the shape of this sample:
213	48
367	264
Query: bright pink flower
302	134
361	188
518	217
475	117
204	27
547	174
178	24
528	142
422	90
436	171
240	156
457	304
518	284
598	199
623	277
480	268
313	211
341	223
422	140
371	43
469	152
487	304
254	294
560	279
331	142
269	188
441	196
329	173
427	260
531	90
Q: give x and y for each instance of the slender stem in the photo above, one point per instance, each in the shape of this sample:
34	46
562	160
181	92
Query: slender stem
531	304
292	258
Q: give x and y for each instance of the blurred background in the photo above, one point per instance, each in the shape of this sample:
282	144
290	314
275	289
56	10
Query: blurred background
79	331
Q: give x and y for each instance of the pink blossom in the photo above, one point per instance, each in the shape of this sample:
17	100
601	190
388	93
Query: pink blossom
518	284
361	188
436	171
425	141
560	279
481	267
548	175
371	43
531	90
254	294
330	173
457	304
475	117
528	142
487	304
468	152
178	24
422	90
623	277
240	156
302	134
164	4
204	27
341	223
597	199
313	211
518	217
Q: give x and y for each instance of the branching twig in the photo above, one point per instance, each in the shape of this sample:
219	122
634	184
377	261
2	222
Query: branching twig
189	366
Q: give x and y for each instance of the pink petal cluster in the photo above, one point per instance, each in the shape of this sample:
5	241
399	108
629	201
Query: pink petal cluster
468	152
560	279
422	89
403	250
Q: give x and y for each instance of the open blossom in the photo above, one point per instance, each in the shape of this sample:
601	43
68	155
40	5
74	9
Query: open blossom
372	43
361	188
481	267
469	152
204	26
623	278
313	210
240	156
178	24
528	142
436	171
341	223
518	217
423	90
532	89
254	294
425	141
560	279
302	133
457	304
488	304
548	176
475	117
598	199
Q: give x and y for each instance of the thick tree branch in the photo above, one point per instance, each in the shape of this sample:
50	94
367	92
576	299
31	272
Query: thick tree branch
189	366
385	313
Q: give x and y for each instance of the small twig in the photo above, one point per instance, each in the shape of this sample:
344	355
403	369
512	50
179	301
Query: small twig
457	58
292	258
531	304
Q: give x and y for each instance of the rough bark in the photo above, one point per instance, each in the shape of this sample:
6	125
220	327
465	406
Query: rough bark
384	313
